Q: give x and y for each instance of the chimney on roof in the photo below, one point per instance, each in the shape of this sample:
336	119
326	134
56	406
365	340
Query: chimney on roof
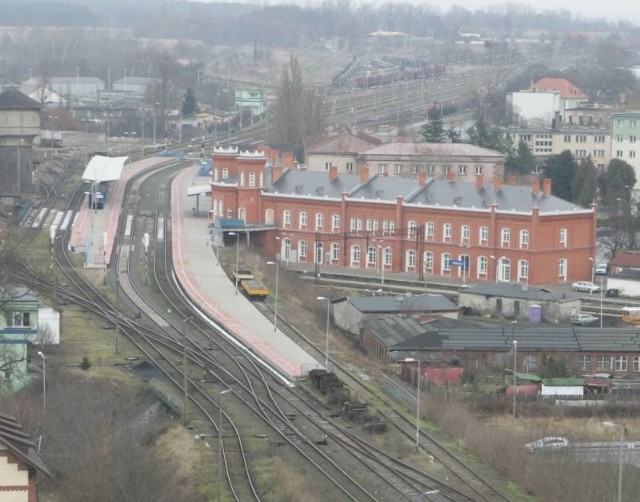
497	183
512	179
535	186
546	186
450	176
422	179
288	160
479	182
333	172
276	172
364	174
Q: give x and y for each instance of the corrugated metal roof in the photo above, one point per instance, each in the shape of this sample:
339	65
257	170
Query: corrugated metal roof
516	291
413	303
500	338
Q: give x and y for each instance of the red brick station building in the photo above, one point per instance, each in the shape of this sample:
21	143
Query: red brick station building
485	230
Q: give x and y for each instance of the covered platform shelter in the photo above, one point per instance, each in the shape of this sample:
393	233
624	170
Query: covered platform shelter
196	191
99	172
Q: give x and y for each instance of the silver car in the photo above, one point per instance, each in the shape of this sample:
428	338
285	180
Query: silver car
586	286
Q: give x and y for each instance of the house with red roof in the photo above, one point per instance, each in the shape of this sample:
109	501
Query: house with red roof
547	100
570	95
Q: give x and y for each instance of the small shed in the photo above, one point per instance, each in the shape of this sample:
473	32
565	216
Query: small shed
350	312
514	301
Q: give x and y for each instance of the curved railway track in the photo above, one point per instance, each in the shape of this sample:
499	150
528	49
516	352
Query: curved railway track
277	411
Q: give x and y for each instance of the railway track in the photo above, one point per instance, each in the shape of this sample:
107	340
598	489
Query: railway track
458	469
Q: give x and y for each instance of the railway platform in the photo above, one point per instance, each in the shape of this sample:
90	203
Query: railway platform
209	287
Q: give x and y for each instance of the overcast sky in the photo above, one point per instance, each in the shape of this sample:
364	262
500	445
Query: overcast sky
613	9
628	10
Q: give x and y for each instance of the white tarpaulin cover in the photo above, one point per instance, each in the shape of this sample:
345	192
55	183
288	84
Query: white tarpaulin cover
104	168
198	189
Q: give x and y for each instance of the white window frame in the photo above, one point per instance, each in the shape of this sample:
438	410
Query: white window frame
335	223
483	235
354	255
411	260
303	218
505	237
524	239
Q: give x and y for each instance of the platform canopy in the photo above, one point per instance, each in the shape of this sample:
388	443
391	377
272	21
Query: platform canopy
104	168
198	190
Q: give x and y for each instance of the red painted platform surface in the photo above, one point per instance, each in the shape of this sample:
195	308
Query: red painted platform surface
199	273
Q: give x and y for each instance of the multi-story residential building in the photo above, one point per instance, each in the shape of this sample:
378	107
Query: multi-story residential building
438	160
625	133
582	142
425	226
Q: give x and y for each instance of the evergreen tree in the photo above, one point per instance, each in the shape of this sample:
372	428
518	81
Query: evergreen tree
585	183
521	161
189	103
561	169
616	182
433	129
485	136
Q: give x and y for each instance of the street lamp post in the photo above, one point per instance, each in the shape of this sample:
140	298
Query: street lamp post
220	460
601	293
515	366
593	268
381	249
495	268
237	257
275	308
44	380
620	463
412	360
326	348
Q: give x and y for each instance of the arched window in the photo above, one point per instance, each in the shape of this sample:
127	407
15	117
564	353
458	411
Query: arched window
484	235
335	252
563	267
429	231
505	237
412	228
268	217
564	237
504	270
445	264
319	221
335	223
355	256
483	267
302	220
465	234
427	261
523	270
302	249
286	217
524	239
447	232
411	260
372	255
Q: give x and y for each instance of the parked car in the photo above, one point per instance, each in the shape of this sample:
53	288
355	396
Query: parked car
601	269
548	443
586	286
613	292
582	319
